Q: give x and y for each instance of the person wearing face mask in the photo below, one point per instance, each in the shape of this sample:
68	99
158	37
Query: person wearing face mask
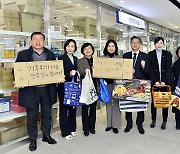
140	71
88	111
160	75
112	107
67	114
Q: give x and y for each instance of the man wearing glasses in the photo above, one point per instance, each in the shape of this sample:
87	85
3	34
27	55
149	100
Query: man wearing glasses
140	71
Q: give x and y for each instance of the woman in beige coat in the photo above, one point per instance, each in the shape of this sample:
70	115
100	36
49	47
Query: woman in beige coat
112	107
88	111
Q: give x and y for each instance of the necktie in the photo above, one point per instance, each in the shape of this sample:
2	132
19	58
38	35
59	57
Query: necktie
134	59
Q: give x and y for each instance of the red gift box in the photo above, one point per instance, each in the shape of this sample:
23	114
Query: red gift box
16	108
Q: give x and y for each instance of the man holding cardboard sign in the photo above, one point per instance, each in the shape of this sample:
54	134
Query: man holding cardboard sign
31	96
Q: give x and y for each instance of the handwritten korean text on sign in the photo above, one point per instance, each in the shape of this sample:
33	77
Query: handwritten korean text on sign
38	73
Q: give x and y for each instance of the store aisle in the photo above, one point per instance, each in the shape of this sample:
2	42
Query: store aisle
154	141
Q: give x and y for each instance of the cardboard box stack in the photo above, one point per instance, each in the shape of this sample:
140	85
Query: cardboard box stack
14	103
114	34
9	20
85	25
12	129
30	11
6	78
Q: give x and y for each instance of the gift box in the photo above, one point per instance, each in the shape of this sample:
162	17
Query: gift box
4	105
16	108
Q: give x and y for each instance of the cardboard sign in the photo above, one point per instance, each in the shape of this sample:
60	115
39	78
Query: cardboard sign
38	73
112	68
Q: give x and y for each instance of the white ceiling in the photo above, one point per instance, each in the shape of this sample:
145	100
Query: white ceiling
162	12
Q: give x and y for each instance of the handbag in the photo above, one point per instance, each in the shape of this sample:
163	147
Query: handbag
104	95
88	92
161	96
72	92
175	102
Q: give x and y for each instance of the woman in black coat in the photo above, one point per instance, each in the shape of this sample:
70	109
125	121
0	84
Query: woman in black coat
160	62
176	72
67	115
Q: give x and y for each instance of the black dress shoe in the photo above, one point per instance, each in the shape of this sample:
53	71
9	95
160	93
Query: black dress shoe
177	128
86	133
49	140
92	131
108	129
127	129
163	126
141	130
115	130
153	124
32	145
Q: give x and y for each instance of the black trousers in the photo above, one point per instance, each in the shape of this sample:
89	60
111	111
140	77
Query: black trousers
67	119
41	97
154	113
89	116
177	118
139	119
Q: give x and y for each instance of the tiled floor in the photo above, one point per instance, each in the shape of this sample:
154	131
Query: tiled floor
154	141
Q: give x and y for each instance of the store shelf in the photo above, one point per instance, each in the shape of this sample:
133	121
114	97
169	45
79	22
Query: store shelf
14	33
2	60
10	115
7	91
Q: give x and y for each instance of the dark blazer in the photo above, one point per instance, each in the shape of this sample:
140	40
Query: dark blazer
140	73
68	67
176	72
166	69
26	94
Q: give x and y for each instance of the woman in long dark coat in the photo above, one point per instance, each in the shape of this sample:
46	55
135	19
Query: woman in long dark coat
160	62
176	72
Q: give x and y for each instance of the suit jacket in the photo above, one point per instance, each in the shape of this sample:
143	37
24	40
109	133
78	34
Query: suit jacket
176	70
26	94
82	65
68	67
166	69
140	73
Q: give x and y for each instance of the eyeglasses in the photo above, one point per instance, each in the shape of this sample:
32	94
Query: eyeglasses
38	40
135	42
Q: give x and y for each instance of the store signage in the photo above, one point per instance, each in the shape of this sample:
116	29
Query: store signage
124	18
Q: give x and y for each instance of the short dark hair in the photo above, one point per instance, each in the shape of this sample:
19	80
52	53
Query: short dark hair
136	37
105	52
177	50
86	45
37	33
157	39
67	43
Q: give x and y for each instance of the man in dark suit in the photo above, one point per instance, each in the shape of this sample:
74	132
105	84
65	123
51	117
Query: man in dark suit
140	71
31	96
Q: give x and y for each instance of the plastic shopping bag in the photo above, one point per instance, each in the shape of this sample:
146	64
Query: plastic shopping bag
104	95
88	92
